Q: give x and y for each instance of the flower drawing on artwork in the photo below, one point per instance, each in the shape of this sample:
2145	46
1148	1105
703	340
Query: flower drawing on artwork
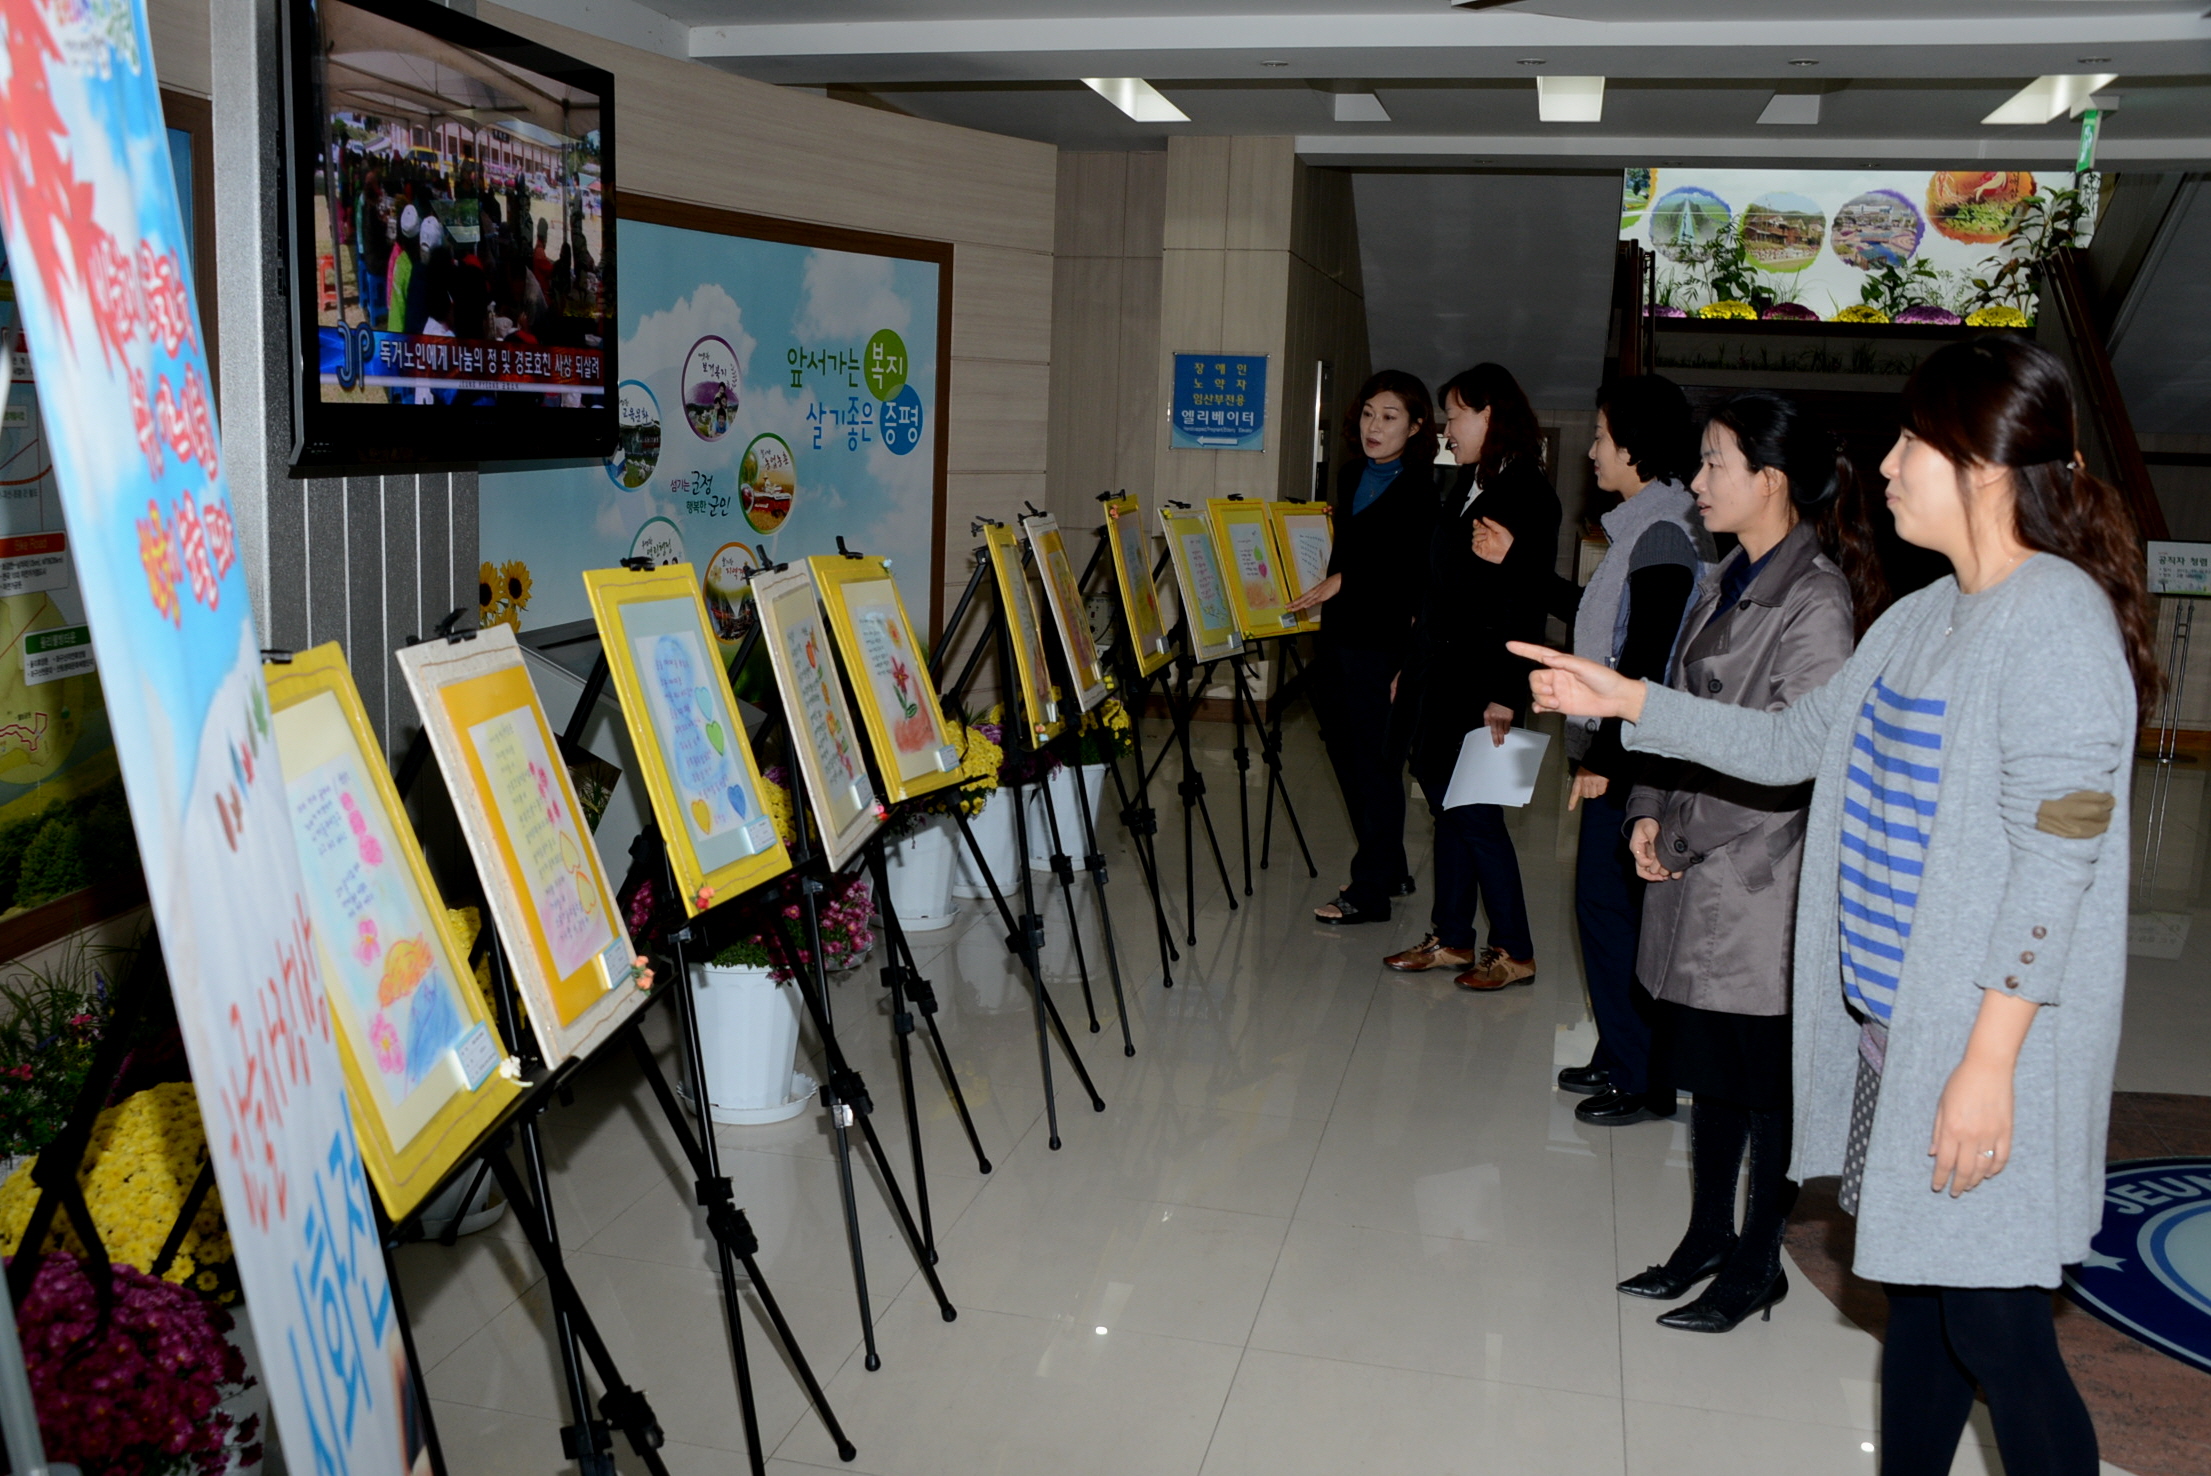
384	1040
157	554
902	678
372	850
366	945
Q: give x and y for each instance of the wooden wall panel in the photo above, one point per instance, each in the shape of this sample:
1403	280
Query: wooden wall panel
1001	305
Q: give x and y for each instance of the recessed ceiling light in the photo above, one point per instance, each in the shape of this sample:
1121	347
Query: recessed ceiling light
2044	98
1570	99
2092	61
1803	61
1137	98
1274	63
1531	61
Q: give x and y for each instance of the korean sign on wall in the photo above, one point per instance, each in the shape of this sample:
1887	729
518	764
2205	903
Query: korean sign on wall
1219	403
775	393
97	247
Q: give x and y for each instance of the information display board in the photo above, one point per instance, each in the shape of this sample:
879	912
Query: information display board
1132	574
1209	618
890	676
1243	536
1069	617
567	946
832	762
684	728
1032	668
420	1048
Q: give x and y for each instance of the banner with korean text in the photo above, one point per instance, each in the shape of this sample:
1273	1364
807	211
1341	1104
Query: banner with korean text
97	246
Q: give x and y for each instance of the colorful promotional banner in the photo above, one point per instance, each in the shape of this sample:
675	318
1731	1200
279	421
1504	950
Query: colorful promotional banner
773	394
98	253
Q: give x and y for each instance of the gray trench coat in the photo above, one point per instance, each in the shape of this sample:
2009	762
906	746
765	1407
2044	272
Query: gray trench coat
2025	893
1719	938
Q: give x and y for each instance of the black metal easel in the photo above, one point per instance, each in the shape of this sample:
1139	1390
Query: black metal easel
1024	934
844	1094
586	1441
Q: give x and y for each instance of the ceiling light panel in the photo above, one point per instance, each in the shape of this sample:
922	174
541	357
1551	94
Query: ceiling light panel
1570	99
1800	108
2045	97
1137	98
1360	107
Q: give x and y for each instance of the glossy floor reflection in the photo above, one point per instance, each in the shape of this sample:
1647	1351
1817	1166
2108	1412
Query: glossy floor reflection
1332	1219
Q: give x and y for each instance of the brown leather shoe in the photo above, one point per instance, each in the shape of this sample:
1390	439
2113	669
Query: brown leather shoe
1494	970
1428	954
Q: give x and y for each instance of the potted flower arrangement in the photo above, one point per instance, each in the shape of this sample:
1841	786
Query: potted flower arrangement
993	821
150	1394
922	860
1102	735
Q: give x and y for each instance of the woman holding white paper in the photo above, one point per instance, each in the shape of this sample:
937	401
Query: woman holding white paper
1771	623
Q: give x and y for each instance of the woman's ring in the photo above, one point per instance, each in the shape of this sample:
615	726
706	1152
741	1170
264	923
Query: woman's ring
1988	1153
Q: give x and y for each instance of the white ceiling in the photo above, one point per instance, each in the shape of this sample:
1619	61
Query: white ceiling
1905	80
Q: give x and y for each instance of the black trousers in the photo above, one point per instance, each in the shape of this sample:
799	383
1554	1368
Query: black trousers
1351	696
1608	904
1945	1340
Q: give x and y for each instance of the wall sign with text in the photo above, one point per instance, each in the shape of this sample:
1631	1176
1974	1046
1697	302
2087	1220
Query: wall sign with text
1219	403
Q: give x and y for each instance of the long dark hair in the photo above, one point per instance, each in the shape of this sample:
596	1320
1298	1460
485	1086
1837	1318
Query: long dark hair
1513	431
1420	449
2002	401
1649	419
1774	431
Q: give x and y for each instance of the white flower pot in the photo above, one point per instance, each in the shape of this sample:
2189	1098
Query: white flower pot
920	869
993	829
748	1032
1070	819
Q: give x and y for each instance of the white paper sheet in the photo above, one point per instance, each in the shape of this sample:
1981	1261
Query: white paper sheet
1487	774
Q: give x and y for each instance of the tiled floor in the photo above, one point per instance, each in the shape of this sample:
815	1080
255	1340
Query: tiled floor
1332	1220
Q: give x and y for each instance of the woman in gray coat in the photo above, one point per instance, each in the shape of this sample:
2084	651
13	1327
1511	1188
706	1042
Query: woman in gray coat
1961	921
1771	623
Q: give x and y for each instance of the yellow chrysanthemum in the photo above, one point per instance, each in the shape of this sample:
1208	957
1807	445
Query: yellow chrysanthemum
1998	316
1727	308
979	763
776	800
145	1152
1859	312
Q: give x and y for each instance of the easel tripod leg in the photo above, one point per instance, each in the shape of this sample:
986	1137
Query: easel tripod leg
922	997
1094	862
1063	872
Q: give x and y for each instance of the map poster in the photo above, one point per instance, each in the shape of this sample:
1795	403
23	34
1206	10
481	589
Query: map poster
97	247
778	393
684	726
822	732
1209	622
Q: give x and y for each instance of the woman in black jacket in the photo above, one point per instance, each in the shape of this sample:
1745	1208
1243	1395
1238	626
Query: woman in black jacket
1463	677
1385	505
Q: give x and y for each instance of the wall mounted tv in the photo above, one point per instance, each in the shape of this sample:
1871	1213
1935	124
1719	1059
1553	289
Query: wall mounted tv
451	241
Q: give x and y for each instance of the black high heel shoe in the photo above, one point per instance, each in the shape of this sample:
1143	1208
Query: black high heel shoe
1717	1312
1664	1284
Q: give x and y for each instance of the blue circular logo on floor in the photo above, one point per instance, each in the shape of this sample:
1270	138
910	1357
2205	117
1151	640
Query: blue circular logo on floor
2148	1271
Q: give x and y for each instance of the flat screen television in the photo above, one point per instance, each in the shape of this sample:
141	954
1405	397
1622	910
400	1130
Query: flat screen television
451	241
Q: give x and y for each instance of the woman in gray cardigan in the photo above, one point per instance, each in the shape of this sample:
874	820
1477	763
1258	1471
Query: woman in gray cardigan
1961	919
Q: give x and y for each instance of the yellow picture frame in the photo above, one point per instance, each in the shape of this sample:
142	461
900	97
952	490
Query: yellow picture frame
1032	666
1132	573
566	945
423	1083
1063	597
1251	567
832	756
686	731
914	754
1208	615
1304	537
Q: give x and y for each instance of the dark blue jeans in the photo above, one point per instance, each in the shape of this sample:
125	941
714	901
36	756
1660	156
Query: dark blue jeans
1351	696
1477	866
1608	904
